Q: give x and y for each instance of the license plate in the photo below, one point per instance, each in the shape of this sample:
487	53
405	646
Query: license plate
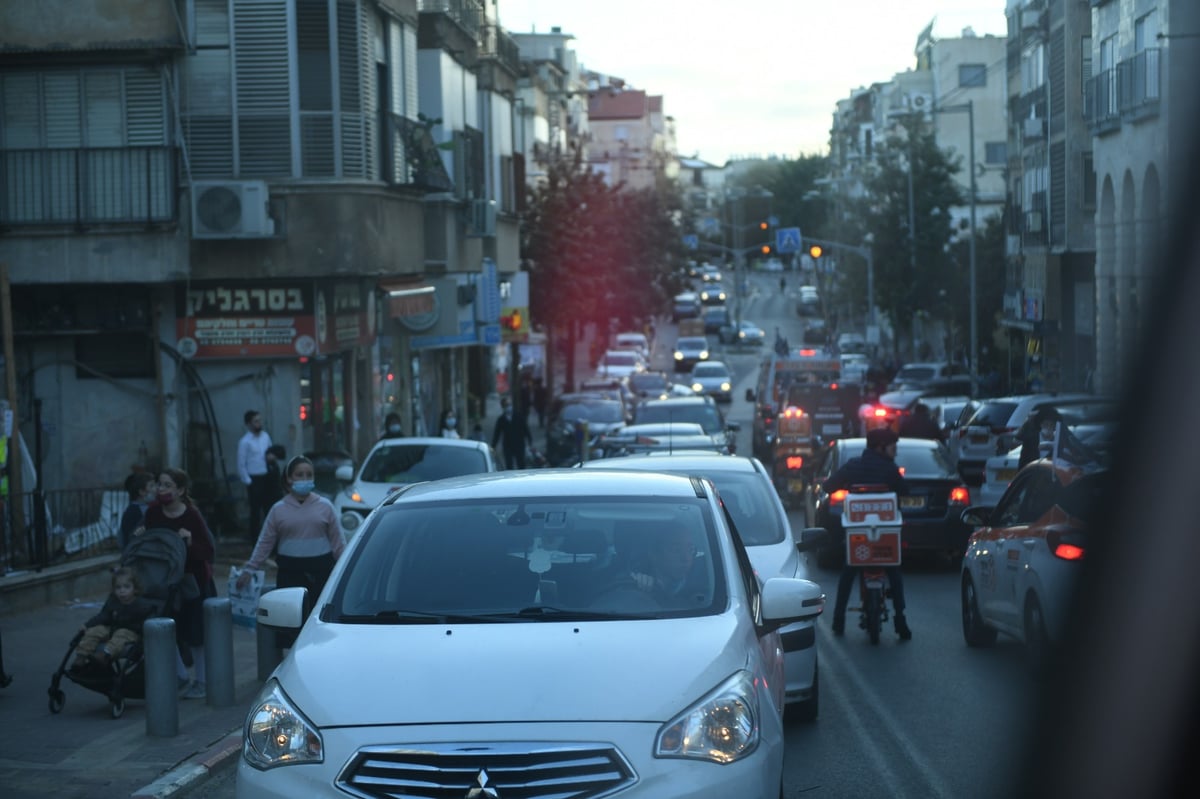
795	486
912	502
831	429
1005	475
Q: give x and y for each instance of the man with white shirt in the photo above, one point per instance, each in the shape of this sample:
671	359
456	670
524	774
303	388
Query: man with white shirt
252	462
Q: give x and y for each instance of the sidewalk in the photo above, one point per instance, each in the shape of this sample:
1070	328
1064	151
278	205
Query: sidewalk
82	752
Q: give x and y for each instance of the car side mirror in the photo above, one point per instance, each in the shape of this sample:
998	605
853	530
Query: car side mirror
812	538
976	515
345	473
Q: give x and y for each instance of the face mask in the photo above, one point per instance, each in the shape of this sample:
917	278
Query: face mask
451	421
393	428
303	487
164	497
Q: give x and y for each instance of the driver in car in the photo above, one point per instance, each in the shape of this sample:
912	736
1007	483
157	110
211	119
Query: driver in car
672	576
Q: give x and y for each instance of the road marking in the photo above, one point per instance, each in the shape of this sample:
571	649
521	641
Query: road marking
830	647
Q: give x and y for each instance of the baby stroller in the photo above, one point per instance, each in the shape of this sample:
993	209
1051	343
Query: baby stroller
158	558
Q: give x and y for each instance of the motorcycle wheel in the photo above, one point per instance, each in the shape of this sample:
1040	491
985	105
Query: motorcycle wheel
874	610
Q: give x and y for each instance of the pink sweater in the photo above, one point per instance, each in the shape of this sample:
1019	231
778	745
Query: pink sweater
305	529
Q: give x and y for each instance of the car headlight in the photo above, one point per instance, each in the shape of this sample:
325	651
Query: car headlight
726	387
721	295
277	734
723	727
351	520
679	356
741	334
697	386
703	355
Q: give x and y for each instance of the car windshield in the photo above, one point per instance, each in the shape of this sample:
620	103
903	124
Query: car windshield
920	461
414	463
910	373
703	414
620	359
691	343
531	560
710	370
598	411
648	381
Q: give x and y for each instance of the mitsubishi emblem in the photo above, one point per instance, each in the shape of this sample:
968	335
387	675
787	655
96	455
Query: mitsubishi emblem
481	789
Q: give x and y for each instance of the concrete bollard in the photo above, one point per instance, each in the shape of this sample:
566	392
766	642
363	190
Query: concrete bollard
270	654
218	651
162	688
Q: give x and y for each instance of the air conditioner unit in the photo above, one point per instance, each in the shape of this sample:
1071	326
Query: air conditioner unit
481	221
920	102
1034	128
231	209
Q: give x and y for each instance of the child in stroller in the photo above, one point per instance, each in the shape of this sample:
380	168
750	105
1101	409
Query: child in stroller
109	656
118	624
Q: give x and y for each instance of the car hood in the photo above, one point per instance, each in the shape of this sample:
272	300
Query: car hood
354	675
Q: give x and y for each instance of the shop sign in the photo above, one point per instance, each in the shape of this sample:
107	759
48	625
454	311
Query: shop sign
344	318
228	319
1031	307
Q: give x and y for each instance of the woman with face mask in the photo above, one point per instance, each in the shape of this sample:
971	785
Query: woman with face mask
449	426
392	426
305	528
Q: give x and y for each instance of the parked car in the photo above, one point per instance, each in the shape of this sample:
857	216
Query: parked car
396	462
932	507
697	408
549	577
566	416
1026	553
690	350
992	429
762	522
947	377
714	379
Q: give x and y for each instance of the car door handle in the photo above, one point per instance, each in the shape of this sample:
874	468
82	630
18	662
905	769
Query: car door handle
1029	543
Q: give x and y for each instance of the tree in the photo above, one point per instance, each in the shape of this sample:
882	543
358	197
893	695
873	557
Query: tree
597	253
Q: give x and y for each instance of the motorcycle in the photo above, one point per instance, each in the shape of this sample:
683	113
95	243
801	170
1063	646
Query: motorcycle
792	456
872	521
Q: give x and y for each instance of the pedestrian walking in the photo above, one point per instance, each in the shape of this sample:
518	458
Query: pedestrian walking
512	429
540	400
174	510
448	426
252	468
141	489
304	527
393	427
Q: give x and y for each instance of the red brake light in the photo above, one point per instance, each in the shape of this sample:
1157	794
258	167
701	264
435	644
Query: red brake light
837	496
795	461
959	496
1066	545
833	386
1069	552
879	413
808	352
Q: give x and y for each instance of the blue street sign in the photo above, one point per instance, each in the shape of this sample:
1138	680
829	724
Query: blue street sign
489	334
710	225
773	220
691	241
787	239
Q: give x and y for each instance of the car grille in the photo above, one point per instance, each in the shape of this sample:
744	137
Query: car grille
516	770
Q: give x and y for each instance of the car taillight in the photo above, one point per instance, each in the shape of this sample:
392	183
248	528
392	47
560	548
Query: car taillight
837	496
959	495
795	462
1068	545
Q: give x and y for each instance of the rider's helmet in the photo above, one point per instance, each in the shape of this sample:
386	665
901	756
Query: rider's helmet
881	437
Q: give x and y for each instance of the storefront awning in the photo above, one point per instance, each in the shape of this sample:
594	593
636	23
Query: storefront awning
409	299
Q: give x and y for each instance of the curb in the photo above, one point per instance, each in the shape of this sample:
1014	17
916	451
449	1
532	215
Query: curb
195	770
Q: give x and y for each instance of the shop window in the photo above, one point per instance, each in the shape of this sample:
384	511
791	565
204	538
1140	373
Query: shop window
113	355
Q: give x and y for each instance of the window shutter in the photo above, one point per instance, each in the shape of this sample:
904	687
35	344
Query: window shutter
411	99
20	113
64	127
212	23
261	72
356	81
208	113
147	125
102	110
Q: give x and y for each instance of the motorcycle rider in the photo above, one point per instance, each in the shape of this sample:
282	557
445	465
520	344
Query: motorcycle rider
876	466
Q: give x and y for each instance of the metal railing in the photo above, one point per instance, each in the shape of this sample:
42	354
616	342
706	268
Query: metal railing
61	526
88	185
467	13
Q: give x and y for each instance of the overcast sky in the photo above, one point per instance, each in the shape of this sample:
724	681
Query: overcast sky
756	77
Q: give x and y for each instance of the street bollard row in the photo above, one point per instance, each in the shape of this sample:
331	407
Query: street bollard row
161	650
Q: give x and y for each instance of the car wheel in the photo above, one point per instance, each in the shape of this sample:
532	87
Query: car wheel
1037	642
975	631
807	710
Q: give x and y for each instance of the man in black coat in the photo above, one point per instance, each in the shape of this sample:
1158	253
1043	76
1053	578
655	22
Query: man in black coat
920	424
513	430
876	466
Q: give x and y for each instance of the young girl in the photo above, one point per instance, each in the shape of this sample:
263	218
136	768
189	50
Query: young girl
305	527
175	511
116	626
142	490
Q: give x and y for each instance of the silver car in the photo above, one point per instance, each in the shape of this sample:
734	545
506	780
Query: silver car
746	489
595	632
712	378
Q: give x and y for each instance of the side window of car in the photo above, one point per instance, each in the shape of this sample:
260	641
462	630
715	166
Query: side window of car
1008	510
1038	498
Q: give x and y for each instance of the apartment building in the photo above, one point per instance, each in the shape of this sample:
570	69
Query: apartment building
297	206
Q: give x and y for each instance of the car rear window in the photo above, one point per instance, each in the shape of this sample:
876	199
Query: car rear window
592	411
915	373
704	415
922	461
993	414
412	463
1081	497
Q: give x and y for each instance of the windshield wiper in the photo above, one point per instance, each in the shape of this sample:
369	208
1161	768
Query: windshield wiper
417	617
551	613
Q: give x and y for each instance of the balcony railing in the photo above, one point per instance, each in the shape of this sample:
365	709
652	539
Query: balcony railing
88	186
62	525
1140	83
1101	106
496	43
467	13
411	157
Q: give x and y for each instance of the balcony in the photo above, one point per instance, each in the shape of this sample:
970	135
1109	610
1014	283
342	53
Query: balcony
88	186
1101	108
412	158
467	13
498	45
1139	84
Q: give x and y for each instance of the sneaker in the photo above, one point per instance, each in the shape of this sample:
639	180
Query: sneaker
195	690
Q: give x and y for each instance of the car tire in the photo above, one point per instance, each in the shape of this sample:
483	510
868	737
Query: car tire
975	631
806	712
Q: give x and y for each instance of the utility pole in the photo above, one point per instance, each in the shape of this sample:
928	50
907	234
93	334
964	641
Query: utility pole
15	490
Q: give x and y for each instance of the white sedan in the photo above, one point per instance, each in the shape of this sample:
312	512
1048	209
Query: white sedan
396	462
712	378
466	642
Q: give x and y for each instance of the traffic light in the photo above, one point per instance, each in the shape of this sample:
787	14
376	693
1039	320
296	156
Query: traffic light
512	321
815	251
765	249
763	226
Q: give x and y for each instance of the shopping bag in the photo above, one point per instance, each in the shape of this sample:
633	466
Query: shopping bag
245	600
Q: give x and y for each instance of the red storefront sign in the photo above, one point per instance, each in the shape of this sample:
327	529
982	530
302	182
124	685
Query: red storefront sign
231	319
